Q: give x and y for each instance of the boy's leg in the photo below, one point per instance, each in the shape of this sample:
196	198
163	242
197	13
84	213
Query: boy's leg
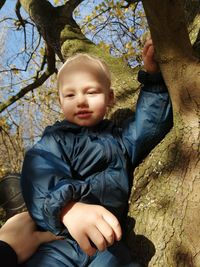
62	253
117	255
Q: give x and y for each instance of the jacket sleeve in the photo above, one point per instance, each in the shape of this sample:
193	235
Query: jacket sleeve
152	119
47	184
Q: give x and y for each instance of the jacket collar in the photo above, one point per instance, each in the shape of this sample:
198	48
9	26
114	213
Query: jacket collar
104	125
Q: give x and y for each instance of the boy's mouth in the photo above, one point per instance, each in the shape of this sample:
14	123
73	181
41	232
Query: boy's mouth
83	114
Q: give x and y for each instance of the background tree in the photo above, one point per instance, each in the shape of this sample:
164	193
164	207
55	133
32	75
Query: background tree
164	205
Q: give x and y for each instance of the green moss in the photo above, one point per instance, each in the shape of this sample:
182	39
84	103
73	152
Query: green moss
70	33
71	47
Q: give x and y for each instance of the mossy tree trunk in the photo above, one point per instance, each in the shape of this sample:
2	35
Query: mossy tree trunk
165	200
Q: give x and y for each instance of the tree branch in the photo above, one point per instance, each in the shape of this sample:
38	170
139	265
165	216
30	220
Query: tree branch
46	19
27	62
50	58
38	82
69	7
174	52
166	20
192	8
17	11
2	2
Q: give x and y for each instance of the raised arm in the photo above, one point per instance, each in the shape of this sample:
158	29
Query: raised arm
153	117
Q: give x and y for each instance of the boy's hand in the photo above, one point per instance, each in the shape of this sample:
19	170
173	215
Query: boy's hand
148	55
89	224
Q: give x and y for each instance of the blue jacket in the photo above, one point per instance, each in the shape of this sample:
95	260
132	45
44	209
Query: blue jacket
92	165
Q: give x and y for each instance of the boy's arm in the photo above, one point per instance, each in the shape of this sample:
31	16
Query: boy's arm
153	117
47	184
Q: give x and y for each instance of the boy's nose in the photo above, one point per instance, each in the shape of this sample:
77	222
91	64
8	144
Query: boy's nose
82	100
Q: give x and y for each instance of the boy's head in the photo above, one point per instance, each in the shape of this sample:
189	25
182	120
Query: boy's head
84	89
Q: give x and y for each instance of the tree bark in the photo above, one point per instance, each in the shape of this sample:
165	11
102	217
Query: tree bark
164	204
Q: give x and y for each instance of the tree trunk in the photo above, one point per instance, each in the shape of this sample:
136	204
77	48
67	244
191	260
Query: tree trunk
165	200
165	203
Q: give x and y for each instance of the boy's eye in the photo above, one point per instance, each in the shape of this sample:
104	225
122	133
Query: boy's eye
91	92
69	95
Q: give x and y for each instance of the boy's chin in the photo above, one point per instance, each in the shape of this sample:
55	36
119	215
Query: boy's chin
86	123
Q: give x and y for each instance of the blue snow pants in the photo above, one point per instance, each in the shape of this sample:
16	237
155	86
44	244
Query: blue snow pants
67	253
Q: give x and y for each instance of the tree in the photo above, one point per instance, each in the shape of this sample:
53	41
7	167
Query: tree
164	204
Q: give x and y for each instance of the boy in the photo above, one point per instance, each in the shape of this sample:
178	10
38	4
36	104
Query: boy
76	179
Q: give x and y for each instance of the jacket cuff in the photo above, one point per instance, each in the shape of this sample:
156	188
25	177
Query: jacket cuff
147	78
152	82
57	200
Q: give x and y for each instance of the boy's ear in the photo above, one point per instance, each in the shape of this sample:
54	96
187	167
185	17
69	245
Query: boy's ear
111	98
58	94
59	100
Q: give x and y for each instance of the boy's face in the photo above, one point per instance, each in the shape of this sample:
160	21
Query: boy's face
84	97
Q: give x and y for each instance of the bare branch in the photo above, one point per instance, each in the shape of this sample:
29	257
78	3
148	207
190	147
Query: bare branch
28	61
38	82
98	15
50	58
17	11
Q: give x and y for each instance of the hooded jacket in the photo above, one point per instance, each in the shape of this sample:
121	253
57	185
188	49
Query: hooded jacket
93	164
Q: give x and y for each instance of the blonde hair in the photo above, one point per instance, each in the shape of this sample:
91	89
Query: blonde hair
81	61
